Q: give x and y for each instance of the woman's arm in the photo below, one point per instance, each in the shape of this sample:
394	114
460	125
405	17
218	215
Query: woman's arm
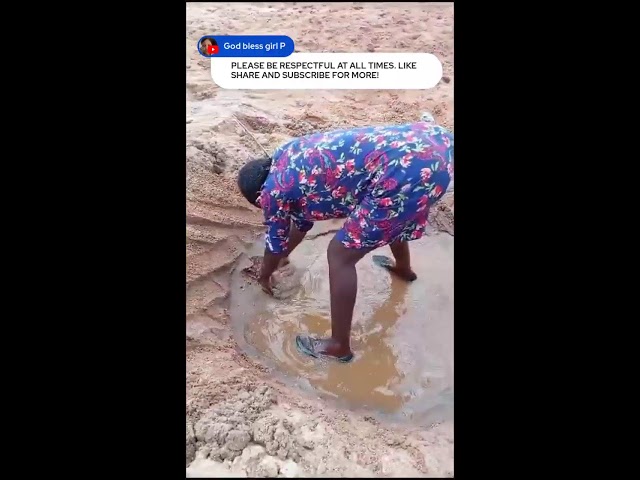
272	261
299	229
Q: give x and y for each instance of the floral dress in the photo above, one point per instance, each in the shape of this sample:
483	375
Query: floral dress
383	180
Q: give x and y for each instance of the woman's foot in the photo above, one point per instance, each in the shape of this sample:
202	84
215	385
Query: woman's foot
323	347
404	273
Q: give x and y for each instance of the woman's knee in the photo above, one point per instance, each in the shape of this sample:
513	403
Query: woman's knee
340	256
334	256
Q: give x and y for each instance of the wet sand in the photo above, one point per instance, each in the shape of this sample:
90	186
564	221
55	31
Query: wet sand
402	332
243	419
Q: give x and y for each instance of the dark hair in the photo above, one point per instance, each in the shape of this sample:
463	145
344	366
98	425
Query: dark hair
252	176
213	41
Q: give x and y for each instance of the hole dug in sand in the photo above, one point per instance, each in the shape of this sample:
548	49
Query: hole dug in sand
402	334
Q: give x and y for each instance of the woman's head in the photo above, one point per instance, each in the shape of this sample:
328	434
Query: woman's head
251	177
205	43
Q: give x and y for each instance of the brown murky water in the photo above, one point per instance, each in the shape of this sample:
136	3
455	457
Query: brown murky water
402	334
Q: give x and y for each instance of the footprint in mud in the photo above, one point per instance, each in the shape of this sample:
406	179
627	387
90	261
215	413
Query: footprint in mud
202	92
257	124
228	127
314	120
305	125
402	334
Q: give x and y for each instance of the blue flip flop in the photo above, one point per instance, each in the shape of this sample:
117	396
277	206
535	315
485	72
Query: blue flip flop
307	346
387	263
382	261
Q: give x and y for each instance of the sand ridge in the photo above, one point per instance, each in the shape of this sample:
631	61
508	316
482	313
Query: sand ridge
240	420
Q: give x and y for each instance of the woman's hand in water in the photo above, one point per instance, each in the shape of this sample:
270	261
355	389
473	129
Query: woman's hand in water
266	281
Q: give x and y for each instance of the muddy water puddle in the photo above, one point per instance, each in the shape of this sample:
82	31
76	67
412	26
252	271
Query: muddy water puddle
402	334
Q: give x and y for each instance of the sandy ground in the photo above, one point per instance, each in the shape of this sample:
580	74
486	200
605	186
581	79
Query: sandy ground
240	420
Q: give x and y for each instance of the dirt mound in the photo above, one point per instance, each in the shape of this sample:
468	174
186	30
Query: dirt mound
253	434
441	215
208	155
224	431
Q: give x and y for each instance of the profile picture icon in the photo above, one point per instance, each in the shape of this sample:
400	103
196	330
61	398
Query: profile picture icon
208	46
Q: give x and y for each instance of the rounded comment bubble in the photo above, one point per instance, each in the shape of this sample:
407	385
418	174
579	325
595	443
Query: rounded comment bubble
329	71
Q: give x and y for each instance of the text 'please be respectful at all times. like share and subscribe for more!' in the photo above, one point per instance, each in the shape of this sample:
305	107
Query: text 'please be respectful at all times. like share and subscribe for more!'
268	62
